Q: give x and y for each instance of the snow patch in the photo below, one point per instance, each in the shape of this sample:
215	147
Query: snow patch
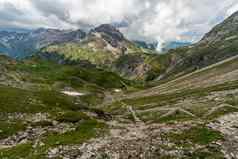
117	90
73	93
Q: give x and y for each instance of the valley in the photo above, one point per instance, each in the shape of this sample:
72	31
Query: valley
78	95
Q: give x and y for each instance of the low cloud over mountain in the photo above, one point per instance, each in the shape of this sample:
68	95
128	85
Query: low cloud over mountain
151	20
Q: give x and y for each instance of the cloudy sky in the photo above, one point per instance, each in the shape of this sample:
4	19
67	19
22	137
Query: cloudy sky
162	20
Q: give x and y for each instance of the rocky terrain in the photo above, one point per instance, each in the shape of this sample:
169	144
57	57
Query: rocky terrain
100	96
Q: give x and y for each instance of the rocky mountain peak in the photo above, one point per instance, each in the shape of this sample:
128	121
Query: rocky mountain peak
110	31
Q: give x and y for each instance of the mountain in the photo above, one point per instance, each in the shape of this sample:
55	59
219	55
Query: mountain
217	45
23	44
105	47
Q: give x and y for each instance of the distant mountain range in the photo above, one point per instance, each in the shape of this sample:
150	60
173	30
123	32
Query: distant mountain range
19	44
106	47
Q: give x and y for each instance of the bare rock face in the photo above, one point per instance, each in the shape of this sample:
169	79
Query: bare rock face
108	38
110	31
132	66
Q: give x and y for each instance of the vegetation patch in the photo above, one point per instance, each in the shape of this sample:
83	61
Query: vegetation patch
10	128
92	99
72	117
25	151
86	129
39	71
73	51
196	135
18	100
207	153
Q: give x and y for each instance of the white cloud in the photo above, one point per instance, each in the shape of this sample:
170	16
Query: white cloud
162	20
232	9
186	20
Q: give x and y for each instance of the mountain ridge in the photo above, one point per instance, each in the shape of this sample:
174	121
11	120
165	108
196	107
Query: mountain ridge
105	46
207	51
21	45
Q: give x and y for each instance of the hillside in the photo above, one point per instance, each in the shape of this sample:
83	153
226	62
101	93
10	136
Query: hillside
219	73
42	100
178	123
217	45
195	109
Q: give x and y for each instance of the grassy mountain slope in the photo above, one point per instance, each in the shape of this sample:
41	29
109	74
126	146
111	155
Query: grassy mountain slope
173	122
37	74
219	73
217	45
35	110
